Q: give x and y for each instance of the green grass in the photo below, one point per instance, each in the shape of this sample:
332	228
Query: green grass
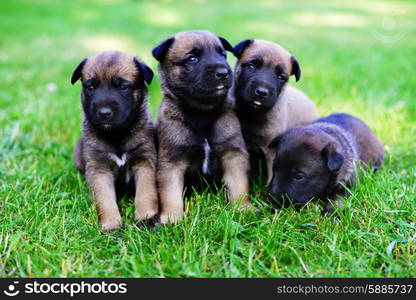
356	58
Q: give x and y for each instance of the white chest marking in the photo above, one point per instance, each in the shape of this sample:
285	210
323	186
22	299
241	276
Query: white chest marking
119	161
207	151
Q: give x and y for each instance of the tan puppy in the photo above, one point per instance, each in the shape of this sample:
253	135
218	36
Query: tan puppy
197	130
117	147
266	105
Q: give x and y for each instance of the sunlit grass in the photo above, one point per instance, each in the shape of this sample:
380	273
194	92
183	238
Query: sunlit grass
353	59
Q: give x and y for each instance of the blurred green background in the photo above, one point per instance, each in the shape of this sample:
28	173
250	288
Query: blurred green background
356	56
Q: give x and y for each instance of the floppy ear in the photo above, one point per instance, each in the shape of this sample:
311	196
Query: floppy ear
275	142
334	159
78	71
144	70
160	51
227	46
295	68
239	48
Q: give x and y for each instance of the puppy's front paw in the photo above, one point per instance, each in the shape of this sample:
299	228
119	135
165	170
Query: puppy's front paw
144	214
331	207
245	205
171	217
111	224
249	208
147	218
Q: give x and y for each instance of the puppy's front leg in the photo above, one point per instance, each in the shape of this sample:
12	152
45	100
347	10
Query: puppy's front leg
101	185
78	156
336	200
146	202
269	158
170	178
331	205
236	166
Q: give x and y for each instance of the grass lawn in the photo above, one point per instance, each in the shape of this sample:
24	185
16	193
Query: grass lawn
357	57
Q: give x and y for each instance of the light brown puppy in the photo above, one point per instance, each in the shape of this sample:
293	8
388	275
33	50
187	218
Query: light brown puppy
266	105
117	148
197	130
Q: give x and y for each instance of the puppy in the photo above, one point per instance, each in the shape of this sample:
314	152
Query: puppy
197	130
117	146
318	161
266	105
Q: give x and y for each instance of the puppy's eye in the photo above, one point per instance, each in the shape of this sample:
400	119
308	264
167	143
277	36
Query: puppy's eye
282	77
192	59
124	86
299	176
251	66
90	87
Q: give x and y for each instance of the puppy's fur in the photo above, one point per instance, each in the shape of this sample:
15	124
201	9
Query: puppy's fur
266	105
197	130
117	147
318	160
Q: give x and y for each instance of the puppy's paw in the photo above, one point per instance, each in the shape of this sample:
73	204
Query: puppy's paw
111	224
149	223
331	209
245	205
171	218
143	215
147	220
248	207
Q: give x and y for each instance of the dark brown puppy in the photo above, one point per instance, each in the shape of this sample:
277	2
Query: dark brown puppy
117	146
197	129
266	105
318	161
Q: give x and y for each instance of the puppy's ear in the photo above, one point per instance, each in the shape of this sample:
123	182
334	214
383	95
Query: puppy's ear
240	47
295	68
227	46
334	159
275	142
78	71
160	51
144	70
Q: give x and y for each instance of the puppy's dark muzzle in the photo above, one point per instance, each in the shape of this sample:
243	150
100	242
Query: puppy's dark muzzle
219	75
277	198
259	95
105	112
222	74
262	92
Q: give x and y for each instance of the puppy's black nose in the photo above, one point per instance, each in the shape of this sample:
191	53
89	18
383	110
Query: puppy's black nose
221	73
105	112
262	92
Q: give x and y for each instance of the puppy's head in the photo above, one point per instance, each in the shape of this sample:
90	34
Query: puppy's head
262	70
306	166
113	89
193	66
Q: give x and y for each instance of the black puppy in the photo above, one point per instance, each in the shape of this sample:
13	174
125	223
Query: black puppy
318	161
197	129
117	146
